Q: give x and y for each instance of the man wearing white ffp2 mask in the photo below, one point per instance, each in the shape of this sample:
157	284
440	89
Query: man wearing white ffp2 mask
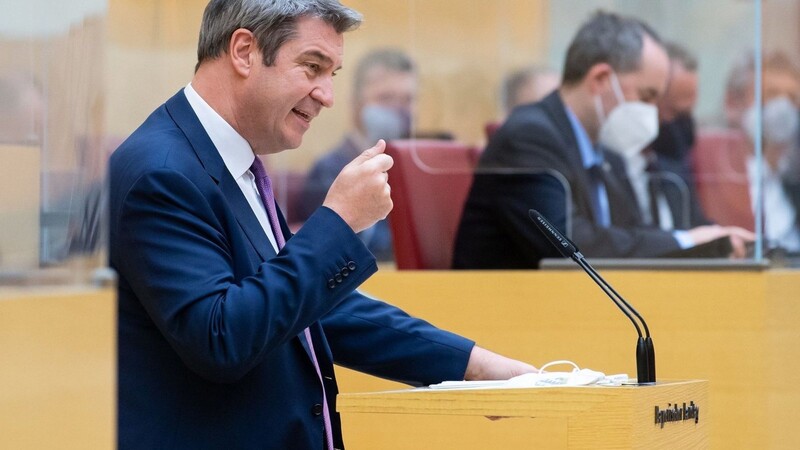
774	190
630	127
779	127
779	122
562	133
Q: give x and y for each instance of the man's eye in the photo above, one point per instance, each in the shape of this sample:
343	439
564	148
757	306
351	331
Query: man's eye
313	66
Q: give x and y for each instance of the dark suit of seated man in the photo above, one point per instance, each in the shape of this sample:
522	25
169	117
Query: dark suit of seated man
615	71
495	220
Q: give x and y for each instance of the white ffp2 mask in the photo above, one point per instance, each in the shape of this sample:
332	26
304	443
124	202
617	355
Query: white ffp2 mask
630	126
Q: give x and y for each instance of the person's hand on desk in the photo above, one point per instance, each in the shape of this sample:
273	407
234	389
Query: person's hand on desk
739	237
486	365
360	194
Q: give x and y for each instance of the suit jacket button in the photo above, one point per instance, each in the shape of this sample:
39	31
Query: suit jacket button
338	278
316	409
351	265
331	283
345	271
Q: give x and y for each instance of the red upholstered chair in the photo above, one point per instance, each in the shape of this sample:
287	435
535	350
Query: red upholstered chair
719	165
490	128
430	181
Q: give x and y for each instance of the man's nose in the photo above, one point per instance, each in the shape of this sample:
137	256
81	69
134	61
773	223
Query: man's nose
323	93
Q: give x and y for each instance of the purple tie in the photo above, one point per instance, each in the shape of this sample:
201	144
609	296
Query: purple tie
265	190
264	186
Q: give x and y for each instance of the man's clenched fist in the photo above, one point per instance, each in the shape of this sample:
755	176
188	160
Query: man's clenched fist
361	194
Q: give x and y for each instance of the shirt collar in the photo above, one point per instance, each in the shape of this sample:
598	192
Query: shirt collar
589	155
236	153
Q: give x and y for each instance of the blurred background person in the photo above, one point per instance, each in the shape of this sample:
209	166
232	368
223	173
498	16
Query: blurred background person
384	95
22	108
780	122
527	85
665	186
522	86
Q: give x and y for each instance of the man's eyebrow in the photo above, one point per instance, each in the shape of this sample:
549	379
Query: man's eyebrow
320	57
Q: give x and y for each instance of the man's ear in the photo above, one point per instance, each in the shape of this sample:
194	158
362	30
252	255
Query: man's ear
598	78
242	51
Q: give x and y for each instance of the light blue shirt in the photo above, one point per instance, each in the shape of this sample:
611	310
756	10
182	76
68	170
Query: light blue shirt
591	157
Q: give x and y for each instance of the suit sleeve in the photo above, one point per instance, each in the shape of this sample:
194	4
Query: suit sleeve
177	257
619	242
376	338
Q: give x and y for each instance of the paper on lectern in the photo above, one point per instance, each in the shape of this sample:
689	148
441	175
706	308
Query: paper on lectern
577	377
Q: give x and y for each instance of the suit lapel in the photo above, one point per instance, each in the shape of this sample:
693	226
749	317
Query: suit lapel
183	115
244	215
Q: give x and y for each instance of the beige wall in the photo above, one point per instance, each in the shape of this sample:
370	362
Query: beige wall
57	368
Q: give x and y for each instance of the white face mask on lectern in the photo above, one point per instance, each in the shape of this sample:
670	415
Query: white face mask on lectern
629	127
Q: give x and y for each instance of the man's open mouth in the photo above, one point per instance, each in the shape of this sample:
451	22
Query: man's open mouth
305	116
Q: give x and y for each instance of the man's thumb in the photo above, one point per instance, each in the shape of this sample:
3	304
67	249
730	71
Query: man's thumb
377	149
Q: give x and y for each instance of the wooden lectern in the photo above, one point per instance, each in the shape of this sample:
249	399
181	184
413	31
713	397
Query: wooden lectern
671	414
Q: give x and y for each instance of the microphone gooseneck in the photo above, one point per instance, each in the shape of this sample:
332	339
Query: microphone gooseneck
645	351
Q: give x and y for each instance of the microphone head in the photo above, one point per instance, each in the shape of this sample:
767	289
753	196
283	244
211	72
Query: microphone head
559	241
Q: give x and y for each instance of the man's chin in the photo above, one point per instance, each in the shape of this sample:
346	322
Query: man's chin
282	147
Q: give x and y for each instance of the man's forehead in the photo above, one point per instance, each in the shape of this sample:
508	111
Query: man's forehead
653	72
316	38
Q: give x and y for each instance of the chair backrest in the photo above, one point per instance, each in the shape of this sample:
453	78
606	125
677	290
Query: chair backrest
430	181
719	165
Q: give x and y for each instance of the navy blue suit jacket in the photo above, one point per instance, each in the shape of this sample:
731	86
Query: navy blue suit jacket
210	318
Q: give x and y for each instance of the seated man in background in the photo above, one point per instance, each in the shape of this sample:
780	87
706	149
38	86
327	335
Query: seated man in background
527	85
615	72
520	87
669	199
384	94
780	124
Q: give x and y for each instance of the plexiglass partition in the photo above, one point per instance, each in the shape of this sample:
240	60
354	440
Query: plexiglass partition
79	76
54	141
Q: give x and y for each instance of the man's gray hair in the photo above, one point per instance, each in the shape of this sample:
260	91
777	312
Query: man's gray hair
391	59
272	22
607	38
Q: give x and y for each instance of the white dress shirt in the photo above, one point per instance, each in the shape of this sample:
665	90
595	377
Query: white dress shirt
780	218
236	153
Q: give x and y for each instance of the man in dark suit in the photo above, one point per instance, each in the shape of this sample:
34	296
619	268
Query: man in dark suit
615	71
229	325
675	203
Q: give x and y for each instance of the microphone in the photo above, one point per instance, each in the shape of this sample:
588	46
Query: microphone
645	352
